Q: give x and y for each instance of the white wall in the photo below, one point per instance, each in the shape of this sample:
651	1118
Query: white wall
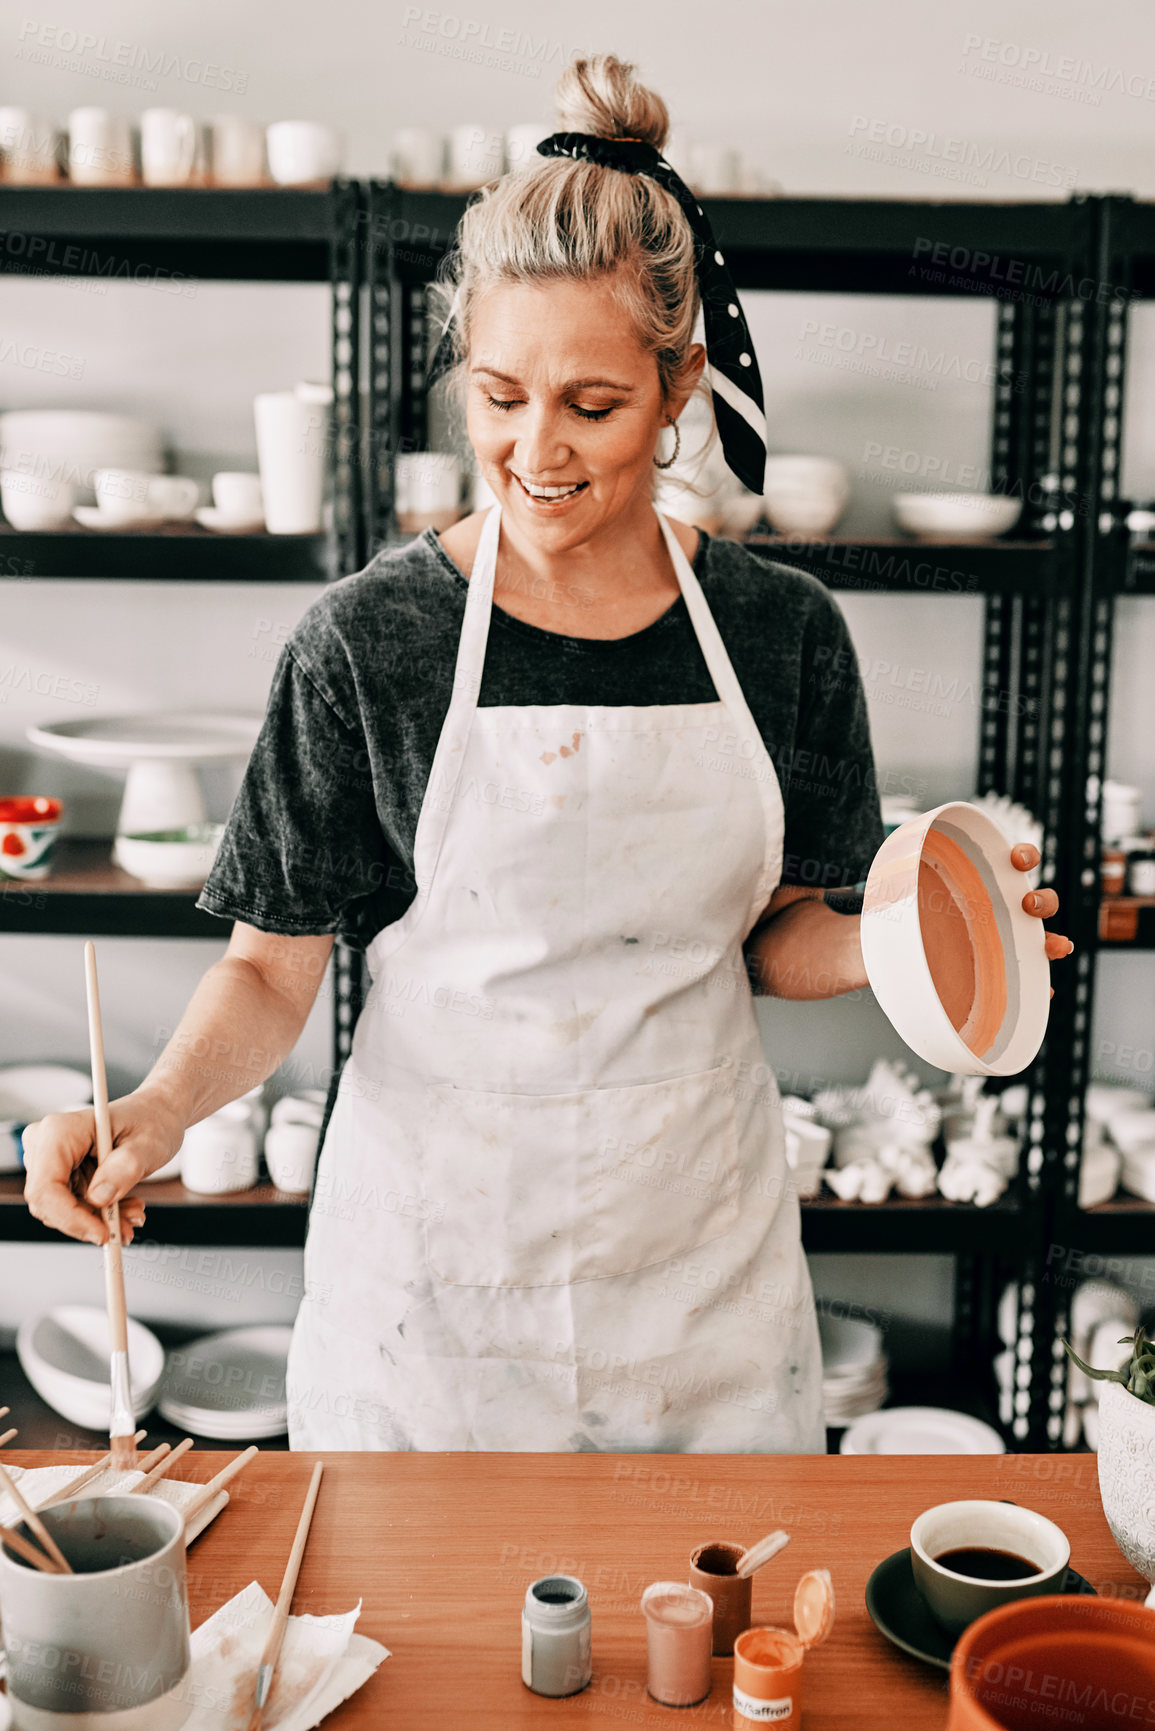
803	90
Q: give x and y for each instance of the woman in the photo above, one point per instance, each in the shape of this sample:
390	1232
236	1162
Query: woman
530	764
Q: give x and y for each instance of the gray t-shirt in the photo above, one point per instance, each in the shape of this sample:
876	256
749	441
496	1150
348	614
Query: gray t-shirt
320	838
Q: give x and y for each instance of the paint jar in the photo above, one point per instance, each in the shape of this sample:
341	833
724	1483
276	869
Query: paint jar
1113	870
555	1636
679	1636
768	1662
714	1571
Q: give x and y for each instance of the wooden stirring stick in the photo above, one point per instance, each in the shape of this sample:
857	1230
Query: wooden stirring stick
276	1633
218	1484
67	1492
29	1553
158	1472
32	1519
123	1422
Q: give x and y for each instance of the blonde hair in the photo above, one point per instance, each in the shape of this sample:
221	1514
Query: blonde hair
560	218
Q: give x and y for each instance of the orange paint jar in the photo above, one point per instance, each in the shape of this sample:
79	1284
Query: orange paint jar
768	1663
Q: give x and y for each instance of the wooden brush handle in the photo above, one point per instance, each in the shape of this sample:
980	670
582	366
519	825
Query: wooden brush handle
113	1265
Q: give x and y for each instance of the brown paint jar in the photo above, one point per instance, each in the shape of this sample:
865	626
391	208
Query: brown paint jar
714	1571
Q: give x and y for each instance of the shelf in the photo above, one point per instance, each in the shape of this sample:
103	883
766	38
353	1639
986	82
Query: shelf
894	566
1125	1224
171	553
263	1218
169	238
930	1224
1127	923
87	895
839	245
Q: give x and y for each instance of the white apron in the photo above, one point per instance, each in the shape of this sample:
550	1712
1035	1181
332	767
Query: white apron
552	1208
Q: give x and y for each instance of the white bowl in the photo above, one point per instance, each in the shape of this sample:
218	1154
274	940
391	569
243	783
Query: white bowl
943	903
65	1356
1104	1100
29	1092
804	495
170	859
1132	1128
936	515
76	442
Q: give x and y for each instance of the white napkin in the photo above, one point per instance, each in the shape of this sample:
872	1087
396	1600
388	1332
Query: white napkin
40	1484
322	1663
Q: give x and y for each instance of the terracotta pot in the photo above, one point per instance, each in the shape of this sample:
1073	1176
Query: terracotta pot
1071	1659
1127	1473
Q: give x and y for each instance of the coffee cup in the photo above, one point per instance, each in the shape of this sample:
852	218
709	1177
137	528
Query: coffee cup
99	148
236	151
32	502
27	148
124	495
108	1643
951	1543
291	456
291	1156
168	147
237	497
302	152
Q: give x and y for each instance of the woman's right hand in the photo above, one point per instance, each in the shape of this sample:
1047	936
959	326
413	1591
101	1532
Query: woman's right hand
60	1158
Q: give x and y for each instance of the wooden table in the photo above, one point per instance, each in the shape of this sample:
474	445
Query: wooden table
441	1548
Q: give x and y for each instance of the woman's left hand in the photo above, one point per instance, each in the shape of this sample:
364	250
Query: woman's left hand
1044	904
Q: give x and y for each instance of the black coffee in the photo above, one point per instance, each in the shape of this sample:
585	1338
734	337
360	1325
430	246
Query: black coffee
987	1563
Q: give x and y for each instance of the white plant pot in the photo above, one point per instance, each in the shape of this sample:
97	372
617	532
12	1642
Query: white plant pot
1127	1473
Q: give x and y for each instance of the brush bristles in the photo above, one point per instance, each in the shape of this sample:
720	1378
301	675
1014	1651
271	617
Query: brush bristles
123	1450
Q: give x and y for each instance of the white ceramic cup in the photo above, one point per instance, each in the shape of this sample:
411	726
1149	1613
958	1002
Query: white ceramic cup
291	458
237	496
220	1154
291	1156
236	151
33	502
956	1600
99	148
124	494
427	490
307	1107
418	156
476	155
521	142
303	151
27	148
168	147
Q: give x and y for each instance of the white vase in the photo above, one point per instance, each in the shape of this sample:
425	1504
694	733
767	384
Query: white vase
1127	1473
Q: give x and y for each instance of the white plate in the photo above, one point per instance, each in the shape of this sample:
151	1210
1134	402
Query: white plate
92	517
65	1356
921	1430
229	1384
200	736
210	518
848	1344
939	514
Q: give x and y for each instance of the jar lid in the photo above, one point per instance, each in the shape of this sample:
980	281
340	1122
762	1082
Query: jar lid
814	1607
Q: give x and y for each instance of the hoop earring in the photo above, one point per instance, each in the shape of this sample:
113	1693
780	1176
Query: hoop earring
670	461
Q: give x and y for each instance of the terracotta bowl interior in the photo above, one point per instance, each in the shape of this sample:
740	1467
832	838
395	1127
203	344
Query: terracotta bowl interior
1093	1658
967	939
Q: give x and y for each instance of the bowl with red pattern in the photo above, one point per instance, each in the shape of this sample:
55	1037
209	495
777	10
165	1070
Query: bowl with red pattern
29	826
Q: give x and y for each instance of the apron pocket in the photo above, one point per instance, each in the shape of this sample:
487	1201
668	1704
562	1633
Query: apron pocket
550	1189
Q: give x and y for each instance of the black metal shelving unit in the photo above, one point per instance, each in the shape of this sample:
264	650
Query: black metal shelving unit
1047	599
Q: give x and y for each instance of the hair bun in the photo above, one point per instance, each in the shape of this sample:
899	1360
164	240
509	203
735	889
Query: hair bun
603	96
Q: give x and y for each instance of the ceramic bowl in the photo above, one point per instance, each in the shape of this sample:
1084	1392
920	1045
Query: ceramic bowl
29	828
29	1092
957	965
65	1356
170	858
1132	1129
937	515
956	1600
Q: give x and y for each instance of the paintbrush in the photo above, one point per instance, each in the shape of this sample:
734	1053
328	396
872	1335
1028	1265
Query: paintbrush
276	1635
123	1420
67	1492
33	1521
215	1485
20	1547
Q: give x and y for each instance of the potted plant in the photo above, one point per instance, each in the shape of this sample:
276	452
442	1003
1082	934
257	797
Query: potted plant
1127	1450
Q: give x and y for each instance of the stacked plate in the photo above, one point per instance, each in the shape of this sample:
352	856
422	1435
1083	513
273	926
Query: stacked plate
921	1430
229	1385
853	1368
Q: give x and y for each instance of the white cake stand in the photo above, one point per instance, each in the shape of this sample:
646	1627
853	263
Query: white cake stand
160	750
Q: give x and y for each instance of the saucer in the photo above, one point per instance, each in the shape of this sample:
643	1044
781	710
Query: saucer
210	518
900	1612
92	517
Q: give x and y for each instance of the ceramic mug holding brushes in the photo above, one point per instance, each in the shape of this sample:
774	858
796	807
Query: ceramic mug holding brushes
110	1639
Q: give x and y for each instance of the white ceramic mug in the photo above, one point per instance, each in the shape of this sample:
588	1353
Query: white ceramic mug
956	1600
291	1156
237	496
427	490
476	155
27	148
168	147
33	502
236	151
418	157
291	458
125	494
303	151
220	1154
99	148
307	1106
